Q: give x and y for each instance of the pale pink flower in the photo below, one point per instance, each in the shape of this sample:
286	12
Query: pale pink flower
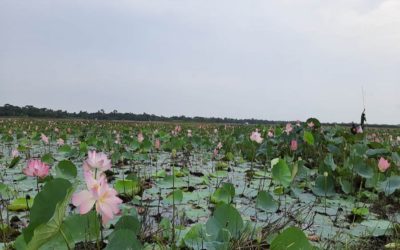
157	144
140	137
189	133
293	145
44	138
359	130
219	146
99	193
256	136
178	129
60	142
310	124
215	152
383	164
15	153
36	168
56	130
97	161
270	134
288	128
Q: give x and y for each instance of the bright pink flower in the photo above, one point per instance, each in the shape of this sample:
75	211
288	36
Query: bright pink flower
36	168
97	161
99	193
44	138
293	145
140	137
256	136
60	142
157	144
383	164
288	128
15	153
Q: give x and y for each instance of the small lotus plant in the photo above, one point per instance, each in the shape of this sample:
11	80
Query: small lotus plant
98	192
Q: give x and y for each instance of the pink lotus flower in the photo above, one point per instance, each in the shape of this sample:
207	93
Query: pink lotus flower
99	194
157	144
215	152
219	146
359	130
56	130
44	138
293	145
15	153
256	136
383	164
140	137
310	124
178	129
97	161
189	133
36	168
60	142
288	128
270	134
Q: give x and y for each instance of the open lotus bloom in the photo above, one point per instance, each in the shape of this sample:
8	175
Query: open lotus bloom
383	164
60	142
288	128
97	161
359	130
36	168
15	153
99	194
140	138
256	136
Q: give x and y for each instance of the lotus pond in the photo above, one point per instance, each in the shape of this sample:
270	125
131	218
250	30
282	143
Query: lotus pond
198	186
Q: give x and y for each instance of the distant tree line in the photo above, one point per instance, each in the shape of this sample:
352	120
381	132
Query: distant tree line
9	110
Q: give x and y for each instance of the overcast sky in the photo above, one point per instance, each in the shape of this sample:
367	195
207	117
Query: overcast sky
276	60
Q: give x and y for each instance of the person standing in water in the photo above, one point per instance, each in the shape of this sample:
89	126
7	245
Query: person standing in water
363	119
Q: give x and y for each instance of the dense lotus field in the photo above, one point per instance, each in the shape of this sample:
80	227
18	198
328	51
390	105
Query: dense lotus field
70	184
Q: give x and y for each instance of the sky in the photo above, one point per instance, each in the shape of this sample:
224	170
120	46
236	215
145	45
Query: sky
275	60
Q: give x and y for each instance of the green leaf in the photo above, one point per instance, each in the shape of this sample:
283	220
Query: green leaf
223	194
176	195
123	239
363	170
14	162
52	197
266	202
54	226
330	162
225	216
66	169
390	185
309	138
281	173
324	186
20	204
196	236
47	158
128	222
291	239
128	187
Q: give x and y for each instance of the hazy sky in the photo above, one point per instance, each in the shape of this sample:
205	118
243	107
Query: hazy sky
277	60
